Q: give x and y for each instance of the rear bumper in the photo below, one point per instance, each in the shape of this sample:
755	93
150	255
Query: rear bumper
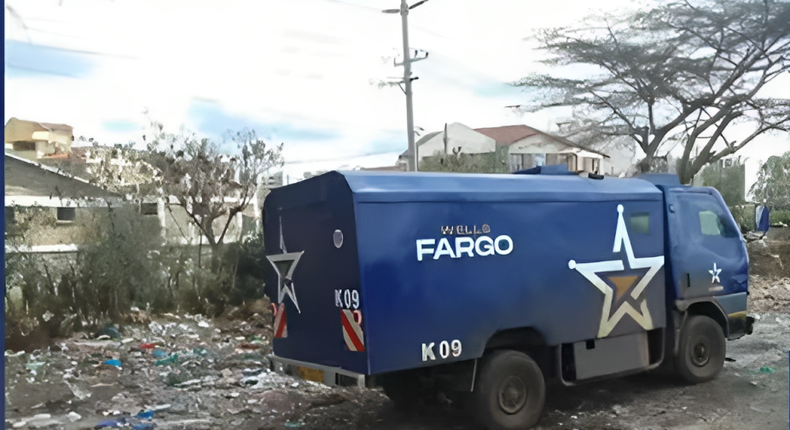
332	376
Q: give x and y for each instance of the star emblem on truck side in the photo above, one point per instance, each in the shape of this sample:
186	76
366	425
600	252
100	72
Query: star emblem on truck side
622	284
715	274
284	265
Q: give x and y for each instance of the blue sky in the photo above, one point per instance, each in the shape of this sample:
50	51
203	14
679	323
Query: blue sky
301	72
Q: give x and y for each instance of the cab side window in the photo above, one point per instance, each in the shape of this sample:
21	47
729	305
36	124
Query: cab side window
710	223
712	219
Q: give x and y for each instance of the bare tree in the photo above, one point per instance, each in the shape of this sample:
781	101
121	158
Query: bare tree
210	186
681	74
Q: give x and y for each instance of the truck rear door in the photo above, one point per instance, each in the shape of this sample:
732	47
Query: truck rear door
707	254
310	238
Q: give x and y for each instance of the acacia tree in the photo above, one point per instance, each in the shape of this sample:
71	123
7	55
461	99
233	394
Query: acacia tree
681	74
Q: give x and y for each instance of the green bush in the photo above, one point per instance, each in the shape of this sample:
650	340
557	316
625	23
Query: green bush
251	270
779	216
124	264
744	217
493	162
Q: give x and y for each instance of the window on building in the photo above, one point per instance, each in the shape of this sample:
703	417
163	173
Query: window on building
149	208
67	214
526	161
552	159
24	146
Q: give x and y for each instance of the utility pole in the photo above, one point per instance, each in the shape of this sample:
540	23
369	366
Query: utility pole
407	60
446	140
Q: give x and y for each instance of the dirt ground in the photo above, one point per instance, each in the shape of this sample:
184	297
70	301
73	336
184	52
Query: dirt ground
219	380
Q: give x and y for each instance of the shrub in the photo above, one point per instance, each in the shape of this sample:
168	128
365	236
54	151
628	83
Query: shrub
123	264
779	216
744	217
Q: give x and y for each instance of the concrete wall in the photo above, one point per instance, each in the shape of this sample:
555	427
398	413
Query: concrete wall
537	144
47	232
177	227
458	135
623	157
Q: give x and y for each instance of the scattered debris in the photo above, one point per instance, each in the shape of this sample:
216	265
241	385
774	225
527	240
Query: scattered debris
173	359
176	375
116	363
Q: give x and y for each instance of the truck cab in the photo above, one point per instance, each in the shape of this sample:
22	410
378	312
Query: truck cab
488	285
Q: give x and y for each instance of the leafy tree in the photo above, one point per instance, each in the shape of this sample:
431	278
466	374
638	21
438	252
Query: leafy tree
680	74
494	162
728	176
212	183
212	187
773	182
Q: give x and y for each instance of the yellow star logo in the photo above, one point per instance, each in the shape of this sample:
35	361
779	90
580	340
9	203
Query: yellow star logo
622	284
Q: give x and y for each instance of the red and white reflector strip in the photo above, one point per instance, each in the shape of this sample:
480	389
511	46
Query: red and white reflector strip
352	329
280	323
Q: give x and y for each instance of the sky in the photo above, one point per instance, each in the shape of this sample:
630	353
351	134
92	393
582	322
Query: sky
301	72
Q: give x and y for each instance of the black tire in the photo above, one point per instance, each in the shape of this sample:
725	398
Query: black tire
509	392
701	350
404	389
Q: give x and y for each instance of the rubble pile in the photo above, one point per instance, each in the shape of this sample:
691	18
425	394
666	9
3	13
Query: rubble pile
769	294
174	372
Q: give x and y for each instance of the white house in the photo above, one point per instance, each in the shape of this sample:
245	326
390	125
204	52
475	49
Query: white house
526	146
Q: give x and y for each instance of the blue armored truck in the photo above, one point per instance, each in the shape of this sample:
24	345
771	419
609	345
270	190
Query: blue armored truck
489	285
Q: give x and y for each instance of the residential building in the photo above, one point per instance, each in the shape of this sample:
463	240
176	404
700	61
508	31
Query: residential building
529	147
37	140
526	147
63	203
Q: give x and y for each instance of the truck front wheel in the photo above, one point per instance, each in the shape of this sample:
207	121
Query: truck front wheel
701	349
509	392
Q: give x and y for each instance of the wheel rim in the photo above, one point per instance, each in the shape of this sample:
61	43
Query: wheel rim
700	353
512	395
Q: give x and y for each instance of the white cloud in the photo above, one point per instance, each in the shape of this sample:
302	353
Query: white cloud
309	63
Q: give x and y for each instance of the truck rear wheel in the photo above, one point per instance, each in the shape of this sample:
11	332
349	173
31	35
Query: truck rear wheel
509	392
701	349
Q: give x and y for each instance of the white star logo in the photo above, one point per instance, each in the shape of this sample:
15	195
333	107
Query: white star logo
591	270
286	264
715	273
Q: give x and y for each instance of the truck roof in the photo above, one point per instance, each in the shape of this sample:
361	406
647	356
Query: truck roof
371	186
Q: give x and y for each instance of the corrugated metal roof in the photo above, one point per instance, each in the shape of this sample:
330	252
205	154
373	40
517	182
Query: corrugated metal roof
25	178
